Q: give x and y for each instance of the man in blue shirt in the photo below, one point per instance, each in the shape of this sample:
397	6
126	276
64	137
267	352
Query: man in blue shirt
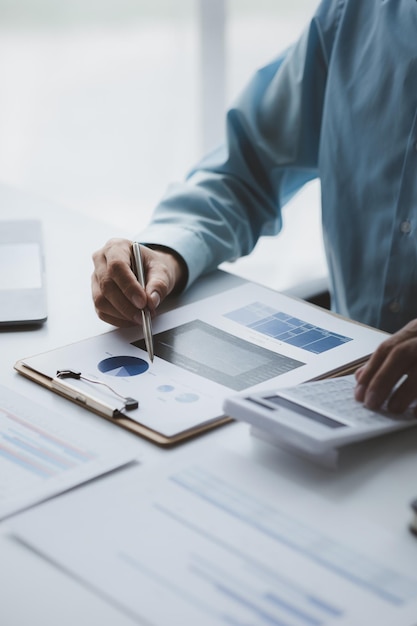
341	105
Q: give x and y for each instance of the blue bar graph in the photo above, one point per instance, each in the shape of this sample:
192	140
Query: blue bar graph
386	583
261	605
247	585
25	463
39	452
286	328
31	448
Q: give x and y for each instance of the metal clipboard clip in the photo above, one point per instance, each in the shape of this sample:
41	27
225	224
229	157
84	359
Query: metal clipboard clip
60	383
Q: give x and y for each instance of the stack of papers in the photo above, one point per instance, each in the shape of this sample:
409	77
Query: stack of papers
216	539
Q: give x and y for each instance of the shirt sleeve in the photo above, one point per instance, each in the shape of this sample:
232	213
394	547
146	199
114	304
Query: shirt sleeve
235	195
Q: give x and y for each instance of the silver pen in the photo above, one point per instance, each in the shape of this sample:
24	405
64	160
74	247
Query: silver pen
146	315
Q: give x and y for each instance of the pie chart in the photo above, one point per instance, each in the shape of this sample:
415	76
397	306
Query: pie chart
123	366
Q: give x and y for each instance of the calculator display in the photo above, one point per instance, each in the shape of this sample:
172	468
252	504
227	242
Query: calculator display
305	412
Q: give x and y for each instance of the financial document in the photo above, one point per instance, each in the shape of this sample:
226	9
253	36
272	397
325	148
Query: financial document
216	539
43	453
246	338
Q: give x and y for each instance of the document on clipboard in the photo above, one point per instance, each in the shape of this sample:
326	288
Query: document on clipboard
247	338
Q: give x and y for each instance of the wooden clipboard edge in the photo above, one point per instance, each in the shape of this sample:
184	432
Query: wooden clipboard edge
124	422
344	370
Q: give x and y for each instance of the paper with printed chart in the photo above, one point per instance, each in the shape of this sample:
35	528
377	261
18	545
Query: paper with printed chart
248	337
213	538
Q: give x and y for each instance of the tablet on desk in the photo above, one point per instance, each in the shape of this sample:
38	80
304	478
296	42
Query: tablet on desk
315	417
22	273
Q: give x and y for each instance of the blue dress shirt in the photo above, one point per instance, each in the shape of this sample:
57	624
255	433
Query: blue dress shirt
341	105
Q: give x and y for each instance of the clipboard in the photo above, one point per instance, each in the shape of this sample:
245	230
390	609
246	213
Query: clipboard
205	351
92	404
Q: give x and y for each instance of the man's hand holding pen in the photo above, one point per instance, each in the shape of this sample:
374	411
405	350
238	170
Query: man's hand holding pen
117	294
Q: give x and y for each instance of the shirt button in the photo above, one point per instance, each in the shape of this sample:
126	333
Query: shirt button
405	227
395	306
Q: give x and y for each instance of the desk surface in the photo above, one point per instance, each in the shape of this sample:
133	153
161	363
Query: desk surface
376	481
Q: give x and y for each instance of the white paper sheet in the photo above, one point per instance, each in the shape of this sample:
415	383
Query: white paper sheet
215	539
246	338
44	453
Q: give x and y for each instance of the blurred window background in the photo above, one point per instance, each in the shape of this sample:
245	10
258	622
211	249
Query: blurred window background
104	103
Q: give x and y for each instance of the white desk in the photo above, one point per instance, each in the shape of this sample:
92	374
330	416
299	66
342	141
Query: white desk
376	482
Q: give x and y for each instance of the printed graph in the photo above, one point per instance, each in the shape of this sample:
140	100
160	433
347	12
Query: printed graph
43	453
123	366
30	448
389	584
210	352
292	330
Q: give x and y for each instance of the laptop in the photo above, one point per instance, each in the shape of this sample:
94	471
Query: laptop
22	273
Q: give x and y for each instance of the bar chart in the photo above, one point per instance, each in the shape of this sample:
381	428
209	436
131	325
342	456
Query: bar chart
43	453
291	330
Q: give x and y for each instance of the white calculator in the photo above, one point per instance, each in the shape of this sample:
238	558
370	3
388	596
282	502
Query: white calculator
315	416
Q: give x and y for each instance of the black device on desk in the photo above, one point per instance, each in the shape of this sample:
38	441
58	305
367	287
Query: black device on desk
22	273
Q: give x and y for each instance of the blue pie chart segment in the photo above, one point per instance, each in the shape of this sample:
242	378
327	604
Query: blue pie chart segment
123	366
